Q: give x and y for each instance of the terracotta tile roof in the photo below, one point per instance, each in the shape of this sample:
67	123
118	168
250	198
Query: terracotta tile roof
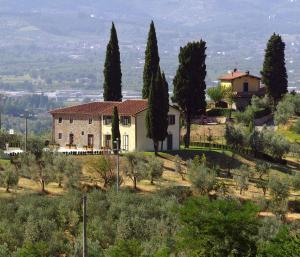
236	74
128	107
89	108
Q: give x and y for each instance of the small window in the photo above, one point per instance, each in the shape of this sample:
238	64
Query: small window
171	119
126	120
107	120
60	120
90	120
71	120
59	135
82	133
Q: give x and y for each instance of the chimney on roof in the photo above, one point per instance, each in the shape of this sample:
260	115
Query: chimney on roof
235	70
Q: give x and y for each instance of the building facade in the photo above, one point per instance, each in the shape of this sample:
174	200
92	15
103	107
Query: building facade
244	86
88	126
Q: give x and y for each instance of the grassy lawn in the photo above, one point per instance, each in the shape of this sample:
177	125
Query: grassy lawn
289	133
4	162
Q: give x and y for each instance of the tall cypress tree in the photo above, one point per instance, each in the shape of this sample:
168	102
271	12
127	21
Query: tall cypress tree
189	83
115	129
151	60
274	74
112	69
165	108
155	117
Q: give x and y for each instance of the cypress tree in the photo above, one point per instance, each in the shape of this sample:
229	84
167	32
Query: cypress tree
115	129
274	74
189	83
155	117
151	60
112	69
165	108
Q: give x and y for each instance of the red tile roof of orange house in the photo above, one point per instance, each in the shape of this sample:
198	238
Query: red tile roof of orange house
236	74
128	107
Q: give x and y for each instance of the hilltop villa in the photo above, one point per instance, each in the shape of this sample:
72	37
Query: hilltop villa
244	86
88	127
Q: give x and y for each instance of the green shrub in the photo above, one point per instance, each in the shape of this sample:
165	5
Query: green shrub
215	112
297	126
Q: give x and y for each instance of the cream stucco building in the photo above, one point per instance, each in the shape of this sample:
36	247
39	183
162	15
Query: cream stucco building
244	85
88	126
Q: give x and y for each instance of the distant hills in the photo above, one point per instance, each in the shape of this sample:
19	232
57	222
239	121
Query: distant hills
236	31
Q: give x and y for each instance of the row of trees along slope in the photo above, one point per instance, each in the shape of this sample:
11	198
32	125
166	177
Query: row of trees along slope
189	84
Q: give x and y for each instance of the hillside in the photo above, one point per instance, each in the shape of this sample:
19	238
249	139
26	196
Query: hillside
37	35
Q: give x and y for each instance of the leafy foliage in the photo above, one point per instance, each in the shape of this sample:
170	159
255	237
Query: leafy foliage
235	136
103	166
218	228
112	69
189	82
203	179
283	244
279	190
155	168
274	74
216	94
241	177
151	61
115	128
286	108
157	112
135	167
178	167
9	177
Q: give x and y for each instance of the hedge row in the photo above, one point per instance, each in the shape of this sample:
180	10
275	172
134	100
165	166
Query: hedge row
218	112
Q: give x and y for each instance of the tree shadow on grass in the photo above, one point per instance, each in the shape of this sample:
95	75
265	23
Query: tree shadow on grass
213	158
284	168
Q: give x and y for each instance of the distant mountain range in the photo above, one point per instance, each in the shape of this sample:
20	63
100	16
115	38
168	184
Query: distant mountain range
236	31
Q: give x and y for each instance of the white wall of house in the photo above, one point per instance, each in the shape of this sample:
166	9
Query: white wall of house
146	144
127	134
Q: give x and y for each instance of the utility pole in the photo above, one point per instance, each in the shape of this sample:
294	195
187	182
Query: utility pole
26	133
2	98
84	243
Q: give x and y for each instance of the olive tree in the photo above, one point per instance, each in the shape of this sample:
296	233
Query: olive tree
262	169
135	167
279	191
103	166
241	177
65	169
9	177
155	168
203	179
178	167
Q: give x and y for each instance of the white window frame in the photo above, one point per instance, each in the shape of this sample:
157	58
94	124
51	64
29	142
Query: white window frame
125	143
